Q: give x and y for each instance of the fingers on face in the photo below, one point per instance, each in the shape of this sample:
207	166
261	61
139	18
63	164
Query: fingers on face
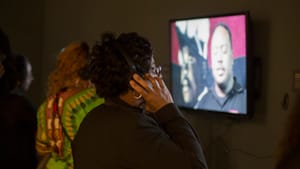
154	84
139	80
138	88
143	86
157	82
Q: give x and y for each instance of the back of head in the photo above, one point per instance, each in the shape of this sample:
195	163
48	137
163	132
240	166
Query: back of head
24	73
21	62
70	61
109	69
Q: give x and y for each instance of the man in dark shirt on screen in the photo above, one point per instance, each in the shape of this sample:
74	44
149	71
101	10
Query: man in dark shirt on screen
226	94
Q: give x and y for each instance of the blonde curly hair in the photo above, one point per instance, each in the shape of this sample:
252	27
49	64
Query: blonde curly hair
70	61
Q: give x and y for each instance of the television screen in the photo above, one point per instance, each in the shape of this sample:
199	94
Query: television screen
209	63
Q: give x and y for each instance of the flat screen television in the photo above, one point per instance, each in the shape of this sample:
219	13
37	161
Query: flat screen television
210	63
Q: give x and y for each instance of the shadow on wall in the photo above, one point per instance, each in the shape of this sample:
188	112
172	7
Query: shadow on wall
260	47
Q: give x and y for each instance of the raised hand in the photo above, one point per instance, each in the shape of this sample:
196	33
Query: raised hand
153	90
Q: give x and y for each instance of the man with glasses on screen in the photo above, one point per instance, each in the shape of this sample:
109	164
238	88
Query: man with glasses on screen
225	94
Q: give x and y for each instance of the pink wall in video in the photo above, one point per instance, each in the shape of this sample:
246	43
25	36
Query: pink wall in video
174	44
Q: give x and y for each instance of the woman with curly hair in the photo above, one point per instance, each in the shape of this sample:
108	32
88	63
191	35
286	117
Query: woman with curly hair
70	98
289	148
138	126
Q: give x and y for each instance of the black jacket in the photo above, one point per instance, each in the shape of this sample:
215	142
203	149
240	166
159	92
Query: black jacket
117	136
18	128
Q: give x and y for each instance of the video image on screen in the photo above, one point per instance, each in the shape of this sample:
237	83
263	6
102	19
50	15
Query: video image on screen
209	63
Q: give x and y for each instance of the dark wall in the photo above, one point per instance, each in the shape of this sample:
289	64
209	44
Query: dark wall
22	21
228	143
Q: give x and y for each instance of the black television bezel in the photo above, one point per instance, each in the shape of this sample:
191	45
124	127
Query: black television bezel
250	70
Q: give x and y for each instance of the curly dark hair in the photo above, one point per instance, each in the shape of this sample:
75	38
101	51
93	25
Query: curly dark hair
109	69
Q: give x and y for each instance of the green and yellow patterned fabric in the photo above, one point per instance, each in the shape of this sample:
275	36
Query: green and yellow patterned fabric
59	119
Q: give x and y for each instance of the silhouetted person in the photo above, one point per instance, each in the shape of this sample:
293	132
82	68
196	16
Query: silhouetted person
17	118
